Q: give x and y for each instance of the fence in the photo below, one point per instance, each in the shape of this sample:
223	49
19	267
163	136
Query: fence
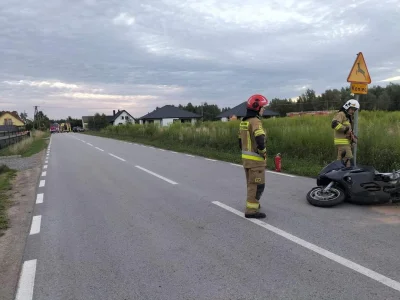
12	136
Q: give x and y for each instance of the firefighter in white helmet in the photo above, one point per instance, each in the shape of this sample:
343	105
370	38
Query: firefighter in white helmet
342	124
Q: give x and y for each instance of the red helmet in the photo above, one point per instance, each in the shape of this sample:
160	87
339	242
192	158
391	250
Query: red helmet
257	101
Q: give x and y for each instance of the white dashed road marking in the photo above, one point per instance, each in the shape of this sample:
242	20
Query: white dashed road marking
341	260
26	281
42	183
89	144
39	198
157	175
99	149
35	227
45	167
189	155
117	157
210	159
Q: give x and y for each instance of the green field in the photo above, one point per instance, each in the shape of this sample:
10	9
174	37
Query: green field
306	143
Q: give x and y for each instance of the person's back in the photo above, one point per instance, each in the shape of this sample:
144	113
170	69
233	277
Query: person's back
252	143
342	125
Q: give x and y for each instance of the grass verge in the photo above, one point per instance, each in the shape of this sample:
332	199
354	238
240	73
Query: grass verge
6	175
28	146
301	167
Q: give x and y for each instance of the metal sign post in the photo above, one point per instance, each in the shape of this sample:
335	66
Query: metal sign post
359	78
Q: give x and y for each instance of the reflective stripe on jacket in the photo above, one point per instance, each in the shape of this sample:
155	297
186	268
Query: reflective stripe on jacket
339	124
252	142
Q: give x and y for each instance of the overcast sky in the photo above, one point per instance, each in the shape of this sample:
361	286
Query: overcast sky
78	57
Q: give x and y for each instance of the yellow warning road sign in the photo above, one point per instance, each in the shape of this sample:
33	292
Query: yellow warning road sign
359	72
359	88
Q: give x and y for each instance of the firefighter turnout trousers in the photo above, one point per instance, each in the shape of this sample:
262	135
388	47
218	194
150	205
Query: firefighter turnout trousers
250	135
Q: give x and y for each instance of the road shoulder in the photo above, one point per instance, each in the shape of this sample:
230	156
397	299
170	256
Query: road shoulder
12	241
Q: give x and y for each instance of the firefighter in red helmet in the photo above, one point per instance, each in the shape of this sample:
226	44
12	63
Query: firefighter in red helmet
252	142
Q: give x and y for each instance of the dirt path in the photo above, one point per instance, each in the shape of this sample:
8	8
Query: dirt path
12	241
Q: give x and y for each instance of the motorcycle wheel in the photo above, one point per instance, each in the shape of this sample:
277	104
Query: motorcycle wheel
333	197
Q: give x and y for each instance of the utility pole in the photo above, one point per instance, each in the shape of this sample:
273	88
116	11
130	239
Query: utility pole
35	116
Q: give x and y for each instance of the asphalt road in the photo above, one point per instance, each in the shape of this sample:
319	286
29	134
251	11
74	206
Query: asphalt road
116	220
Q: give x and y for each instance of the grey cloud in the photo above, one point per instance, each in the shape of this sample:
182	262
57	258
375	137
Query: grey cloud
76	42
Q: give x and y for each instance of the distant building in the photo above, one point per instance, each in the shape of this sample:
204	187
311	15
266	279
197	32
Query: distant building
10	120
117	118
239	111
169	114
313	113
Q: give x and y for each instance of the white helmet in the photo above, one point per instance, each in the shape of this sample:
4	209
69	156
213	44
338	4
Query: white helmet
351	103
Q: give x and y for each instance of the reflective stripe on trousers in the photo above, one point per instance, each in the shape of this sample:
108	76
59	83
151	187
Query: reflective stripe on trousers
341	142
252	156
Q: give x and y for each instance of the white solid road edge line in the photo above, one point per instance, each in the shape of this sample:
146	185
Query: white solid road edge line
272	172
35	227
99	149
157	175
341	260
279	173
39	198
42	183
26	281
117	157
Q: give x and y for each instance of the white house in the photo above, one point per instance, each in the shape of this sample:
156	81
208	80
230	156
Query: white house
121	117
169	114
118	118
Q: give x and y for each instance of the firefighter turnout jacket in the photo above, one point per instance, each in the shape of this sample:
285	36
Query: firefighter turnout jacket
252	142
342	126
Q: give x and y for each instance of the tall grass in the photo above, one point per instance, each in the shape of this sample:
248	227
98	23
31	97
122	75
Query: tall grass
28	146
6	175
306	142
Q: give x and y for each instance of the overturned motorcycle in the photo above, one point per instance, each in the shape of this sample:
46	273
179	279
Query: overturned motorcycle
337	183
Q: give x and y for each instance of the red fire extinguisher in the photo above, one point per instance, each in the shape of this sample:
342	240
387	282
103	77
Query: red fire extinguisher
278	162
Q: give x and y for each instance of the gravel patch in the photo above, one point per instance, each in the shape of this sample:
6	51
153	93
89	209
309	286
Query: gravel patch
23	163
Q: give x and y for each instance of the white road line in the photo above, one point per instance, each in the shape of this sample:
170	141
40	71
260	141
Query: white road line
210	159
44	173
39	198
45	167
99	149
341	260
117	157
268	171
26	281
161	149
157	175
89	144
46	162
174	152
42	183
278	173
189	155
35	227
